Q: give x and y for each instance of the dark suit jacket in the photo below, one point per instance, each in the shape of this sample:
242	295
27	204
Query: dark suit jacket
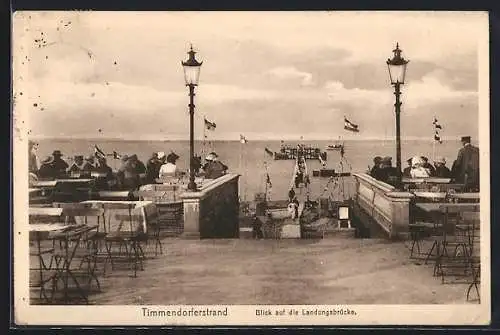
468	166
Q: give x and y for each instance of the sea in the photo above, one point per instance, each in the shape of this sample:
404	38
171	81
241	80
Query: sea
253	164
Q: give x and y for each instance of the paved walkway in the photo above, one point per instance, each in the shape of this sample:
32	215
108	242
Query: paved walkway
335	270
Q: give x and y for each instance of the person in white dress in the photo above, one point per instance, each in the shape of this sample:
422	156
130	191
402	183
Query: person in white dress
417	168
169	169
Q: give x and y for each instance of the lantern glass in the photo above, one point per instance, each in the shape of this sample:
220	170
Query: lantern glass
397	73
191	69
191	74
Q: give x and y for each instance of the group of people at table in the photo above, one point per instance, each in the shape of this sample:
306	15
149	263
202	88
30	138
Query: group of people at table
131	174
465	168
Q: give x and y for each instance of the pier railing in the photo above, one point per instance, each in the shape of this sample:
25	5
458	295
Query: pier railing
213	210
386	206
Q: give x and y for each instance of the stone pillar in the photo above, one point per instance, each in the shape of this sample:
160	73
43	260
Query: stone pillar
212	211
191	218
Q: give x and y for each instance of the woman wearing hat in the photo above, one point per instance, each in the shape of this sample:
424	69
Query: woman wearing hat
417	168
169	169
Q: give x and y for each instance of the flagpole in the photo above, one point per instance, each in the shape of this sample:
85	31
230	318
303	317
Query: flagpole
246	170
434	150
239	168
203	154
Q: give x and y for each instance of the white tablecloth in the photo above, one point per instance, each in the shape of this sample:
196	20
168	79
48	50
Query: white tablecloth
118	219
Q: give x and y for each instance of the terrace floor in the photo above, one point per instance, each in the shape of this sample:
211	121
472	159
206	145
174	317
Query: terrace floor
334	270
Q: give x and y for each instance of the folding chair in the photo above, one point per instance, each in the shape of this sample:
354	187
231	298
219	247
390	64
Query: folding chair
129	239
472	220
45	269
455	254
79	245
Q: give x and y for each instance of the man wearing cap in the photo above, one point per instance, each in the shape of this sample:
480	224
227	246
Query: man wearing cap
59	165
441	170
214	168
467	165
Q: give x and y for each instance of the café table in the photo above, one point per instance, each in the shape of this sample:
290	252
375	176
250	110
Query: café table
115	213
435	212
70	236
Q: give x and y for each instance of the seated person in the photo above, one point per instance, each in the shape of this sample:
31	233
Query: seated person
59	165
428	166
139	167
441	170
47	169
417	168
153	166
375	170
214	168
406	171
80	167
169	169
108	180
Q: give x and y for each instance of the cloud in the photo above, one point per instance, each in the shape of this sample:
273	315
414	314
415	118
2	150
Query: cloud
430	89
291	73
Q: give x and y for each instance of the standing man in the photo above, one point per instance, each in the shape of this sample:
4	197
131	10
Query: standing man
467	165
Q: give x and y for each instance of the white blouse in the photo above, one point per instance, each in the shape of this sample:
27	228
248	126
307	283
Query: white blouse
167	169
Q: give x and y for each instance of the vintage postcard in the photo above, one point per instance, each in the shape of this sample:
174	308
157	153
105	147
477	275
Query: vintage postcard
251	168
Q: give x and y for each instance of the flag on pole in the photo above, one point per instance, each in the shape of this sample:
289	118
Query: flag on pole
210	125
98	152
437	138
243	139
348	125
436	124
437	128
268	180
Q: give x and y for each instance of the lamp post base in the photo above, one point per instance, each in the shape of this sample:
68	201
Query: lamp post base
192	186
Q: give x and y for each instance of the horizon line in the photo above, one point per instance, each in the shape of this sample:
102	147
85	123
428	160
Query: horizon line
177	139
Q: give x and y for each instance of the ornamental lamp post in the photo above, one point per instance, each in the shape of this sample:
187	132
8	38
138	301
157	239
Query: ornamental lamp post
397	72
191	75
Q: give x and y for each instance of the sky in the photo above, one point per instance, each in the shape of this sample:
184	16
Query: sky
266	75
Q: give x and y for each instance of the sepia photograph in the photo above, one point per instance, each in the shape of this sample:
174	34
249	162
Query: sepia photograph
251	168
